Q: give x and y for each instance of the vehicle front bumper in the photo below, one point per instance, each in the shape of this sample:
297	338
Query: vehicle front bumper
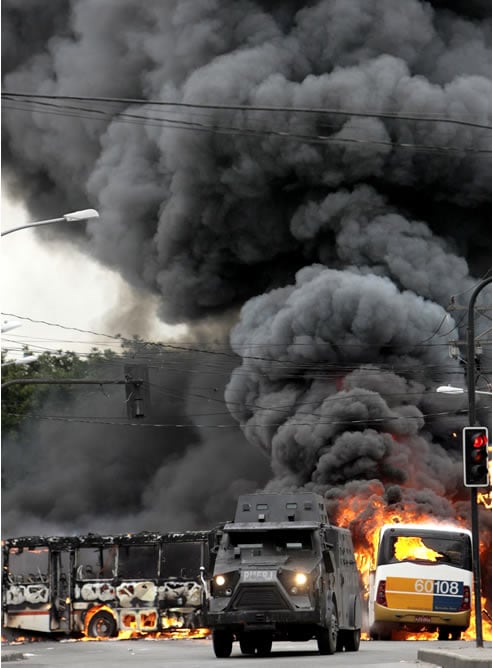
264	620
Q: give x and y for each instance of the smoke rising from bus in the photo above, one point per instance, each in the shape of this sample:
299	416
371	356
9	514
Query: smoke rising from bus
333	241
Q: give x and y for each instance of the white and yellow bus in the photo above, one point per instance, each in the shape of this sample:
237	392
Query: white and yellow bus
422	581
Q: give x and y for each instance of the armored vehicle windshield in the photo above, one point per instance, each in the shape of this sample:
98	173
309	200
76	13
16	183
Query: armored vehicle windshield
277	540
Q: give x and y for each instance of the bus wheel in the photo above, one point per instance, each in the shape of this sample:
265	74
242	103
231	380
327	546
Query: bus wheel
222	642
327	637
443	633
247	643
455	634
102	625
263	644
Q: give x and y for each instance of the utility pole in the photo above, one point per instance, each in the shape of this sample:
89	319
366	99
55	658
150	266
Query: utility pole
471	381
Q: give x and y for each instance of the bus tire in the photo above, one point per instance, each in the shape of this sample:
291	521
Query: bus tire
102	625
222	643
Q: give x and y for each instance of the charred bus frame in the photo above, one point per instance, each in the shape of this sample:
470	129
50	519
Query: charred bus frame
100	585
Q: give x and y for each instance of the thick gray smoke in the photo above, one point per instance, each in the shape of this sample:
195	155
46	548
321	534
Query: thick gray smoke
86	469
341	236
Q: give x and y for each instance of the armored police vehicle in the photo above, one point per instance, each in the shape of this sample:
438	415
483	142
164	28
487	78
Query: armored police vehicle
282	572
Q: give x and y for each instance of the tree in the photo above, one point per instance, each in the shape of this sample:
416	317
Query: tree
20	400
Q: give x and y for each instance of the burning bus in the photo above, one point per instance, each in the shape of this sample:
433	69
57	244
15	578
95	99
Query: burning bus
422	581
101	586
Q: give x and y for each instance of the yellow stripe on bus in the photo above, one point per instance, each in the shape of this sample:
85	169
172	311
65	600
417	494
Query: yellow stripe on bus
401	593
407	601
405	584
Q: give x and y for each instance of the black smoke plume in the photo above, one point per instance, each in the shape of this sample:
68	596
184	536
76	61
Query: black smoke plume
338	225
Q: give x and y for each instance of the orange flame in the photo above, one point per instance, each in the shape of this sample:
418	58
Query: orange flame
131	632
411	547
364	516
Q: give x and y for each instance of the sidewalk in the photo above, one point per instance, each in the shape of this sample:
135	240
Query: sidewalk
458	657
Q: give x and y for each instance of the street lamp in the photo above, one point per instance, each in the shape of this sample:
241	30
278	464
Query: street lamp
450	389
470	383
27	359
7	325
74	216
472	391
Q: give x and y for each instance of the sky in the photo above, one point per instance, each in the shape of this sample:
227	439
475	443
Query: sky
37	283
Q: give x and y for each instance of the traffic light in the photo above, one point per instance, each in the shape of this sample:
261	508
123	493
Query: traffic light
476	456
137	390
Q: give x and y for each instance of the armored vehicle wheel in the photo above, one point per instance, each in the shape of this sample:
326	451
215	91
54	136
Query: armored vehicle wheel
327	637
102	625
222	642
348	639
263	644
247	643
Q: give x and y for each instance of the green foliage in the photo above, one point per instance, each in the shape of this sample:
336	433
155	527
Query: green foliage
19	400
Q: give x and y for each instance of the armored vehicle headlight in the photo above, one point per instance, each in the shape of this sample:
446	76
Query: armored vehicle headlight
220	580
300	579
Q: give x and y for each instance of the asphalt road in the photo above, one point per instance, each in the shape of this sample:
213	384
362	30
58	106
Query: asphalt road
198	653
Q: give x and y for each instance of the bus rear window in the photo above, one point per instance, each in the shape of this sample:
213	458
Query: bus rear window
426	548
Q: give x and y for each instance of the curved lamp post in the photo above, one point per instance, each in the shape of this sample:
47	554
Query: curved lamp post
27	359
471	392
471	379
450	389
7	325
74	216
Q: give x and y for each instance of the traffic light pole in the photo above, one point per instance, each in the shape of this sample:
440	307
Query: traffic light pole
470	377
135	387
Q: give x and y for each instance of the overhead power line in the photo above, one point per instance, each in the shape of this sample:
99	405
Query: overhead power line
230	425
193	348
52	104
253	108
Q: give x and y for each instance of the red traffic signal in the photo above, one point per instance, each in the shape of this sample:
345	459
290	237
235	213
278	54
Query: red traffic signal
480	440
475	456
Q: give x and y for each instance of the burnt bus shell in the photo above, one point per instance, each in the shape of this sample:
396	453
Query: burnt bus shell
61	597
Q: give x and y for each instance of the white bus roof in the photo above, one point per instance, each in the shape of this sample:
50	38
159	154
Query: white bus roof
426	526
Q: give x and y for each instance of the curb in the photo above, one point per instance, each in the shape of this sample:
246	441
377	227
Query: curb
469	659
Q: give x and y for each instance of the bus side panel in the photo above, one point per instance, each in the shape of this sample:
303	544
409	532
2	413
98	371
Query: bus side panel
26	606
347	585
29	620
